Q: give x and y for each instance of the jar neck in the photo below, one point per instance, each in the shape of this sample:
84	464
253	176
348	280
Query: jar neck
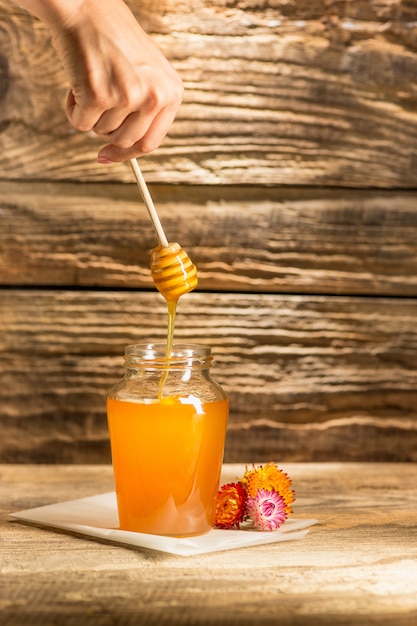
154	357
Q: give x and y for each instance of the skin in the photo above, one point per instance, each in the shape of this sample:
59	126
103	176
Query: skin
121	85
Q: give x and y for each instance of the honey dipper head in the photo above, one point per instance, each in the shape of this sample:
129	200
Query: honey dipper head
173	272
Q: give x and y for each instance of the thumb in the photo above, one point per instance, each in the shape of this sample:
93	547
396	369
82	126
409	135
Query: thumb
82	118
71	108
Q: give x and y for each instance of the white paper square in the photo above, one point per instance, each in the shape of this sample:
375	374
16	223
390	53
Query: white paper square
96	516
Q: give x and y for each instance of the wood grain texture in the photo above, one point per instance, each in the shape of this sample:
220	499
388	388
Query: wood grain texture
289	170
357	567
268	240
319	93
309	378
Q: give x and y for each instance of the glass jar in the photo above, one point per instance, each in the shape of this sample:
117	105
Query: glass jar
167	422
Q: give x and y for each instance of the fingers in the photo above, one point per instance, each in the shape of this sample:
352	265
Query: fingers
148	142
133	127
126	124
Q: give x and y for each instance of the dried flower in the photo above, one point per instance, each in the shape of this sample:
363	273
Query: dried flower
231	503
262	496
266	510
271	478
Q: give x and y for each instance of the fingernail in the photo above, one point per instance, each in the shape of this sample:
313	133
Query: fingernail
103	159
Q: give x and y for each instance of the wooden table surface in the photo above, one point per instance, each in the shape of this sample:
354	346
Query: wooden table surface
358	567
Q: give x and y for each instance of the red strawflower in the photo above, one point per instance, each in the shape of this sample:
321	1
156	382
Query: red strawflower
230	508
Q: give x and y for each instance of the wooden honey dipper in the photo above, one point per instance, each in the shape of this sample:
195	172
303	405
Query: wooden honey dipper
173	272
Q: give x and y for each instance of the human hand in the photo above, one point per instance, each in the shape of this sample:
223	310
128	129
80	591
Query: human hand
121	86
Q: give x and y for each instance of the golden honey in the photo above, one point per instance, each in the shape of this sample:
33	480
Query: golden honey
173	272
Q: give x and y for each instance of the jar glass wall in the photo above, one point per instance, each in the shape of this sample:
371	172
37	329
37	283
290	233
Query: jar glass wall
167	422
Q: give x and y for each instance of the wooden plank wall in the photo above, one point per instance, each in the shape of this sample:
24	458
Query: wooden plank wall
290	178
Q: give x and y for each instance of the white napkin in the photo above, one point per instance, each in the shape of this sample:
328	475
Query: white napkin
96	516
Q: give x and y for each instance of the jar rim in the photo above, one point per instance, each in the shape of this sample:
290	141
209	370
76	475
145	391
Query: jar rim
155	355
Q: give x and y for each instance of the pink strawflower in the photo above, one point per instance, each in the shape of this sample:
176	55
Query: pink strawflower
266	510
